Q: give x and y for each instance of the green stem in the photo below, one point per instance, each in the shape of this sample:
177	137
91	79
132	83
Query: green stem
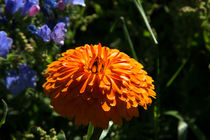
129	39
156	112
90	131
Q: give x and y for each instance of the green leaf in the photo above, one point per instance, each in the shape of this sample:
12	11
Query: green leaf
4	114
175	114
141	10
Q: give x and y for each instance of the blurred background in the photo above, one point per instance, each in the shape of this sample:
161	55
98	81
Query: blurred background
179	64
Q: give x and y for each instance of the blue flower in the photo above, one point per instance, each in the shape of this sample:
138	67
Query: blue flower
48	4
16	83
74	2
13	82
12	6
44	33
28	5
51	3
59	33
77	2
33	29
5	44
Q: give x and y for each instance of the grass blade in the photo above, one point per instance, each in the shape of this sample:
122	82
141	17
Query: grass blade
176	73
4	114
129	39
141	10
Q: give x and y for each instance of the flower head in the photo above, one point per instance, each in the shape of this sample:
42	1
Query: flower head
31	7
34	10
59	33
44	33
61	5
12	6
16	83
32	29
97	84
5	44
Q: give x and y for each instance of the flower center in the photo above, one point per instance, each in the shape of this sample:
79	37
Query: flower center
97	66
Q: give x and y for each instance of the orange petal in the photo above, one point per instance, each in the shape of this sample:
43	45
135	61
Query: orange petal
106	107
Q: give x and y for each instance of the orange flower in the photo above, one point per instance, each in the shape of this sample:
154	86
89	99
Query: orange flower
97	84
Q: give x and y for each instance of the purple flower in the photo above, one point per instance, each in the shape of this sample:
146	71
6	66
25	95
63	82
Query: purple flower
44	33
5	44
31	6
16	83
12	6
59	33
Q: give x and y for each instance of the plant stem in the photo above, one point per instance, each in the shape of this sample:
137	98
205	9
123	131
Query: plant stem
156	111
129	39
90	131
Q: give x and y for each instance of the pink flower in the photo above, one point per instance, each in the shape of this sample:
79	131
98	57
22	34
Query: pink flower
34	10
61	5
